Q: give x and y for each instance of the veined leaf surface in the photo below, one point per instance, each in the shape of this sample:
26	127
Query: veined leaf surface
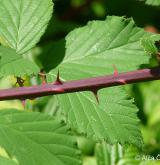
12	63
22	22
34	138
92	51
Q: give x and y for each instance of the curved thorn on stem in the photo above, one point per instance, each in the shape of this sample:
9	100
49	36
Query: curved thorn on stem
58	81
115	70
95	93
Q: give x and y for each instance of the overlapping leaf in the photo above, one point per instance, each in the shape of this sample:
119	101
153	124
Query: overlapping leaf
13	64
22	23
151	44
33	138
91	51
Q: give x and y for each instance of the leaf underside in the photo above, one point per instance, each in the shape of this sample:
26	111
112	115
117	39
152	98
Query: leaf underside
34	138
92	51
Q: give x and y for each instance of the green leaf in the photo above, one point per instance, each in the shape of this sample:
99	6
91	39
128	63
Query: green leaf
153	2
12	63
91	51
107	154
120	155
94	49
34	138
114	119
5	161
102	154
149	43
22	22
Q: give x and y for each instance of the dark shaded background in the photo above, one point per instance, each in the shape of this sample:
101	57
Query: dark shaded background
79	12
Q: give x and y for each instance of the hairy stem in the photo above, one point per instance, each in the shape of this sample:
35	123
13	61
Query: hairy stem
89	84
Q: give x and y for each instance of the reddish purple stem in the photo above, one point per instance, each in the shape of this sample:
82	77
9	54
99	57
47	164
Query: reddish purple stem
89	84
